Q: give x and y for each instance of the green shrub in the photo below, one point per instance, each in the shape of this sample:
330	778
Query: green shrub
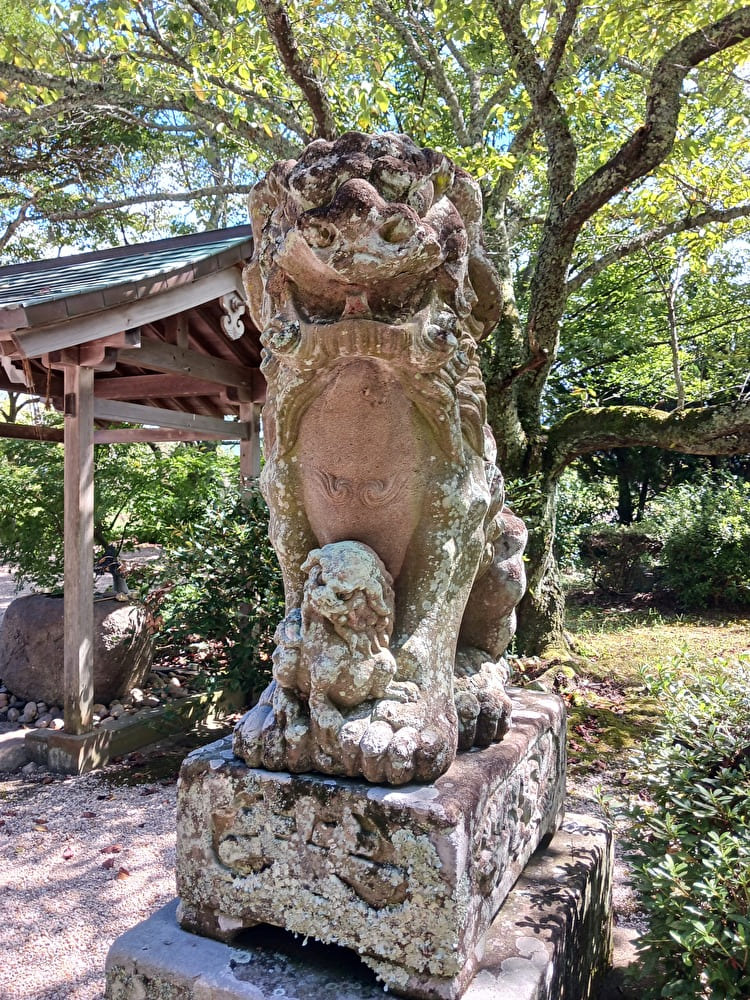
618	555
141	493
582	506
221	586
690	836
706	555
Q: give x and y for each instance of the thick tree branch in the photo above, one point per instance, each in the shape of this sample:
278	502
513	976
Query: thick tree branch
560	41
638	156
299	69
563	155
647	239
705	430
145	199
652	142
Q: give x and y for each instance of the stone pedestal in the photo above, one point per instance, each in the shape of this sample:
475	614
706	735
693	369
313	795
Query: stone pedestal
410	878
550	940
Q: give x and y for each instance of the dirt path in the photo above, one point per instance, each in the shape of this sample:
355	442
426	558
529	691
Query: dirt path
81	861
8	590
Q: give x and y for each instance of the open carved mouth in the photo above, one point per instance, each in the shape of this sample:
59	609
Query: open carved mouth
428	339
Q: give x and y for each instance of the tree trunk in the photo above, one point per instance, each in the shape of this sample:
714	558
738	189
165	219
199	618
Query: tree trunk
624	496
541	616
541	613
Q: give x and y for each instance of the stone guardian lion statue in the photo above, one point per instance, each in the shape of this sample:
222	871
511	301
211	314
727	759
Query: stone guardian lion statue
401	566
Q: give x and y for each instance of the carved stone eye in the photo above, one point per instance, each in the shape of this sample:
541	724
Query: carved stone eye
319	235
397	229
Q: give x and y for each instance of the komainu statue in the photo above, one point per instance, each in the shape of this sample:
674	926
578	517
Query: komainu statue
401	566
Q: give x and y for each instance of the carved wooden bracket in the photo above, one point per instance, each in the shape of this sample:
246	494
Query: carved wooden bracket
233	306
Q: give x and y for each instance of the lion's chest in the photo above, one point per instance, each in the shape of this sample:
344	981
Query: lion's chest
360	454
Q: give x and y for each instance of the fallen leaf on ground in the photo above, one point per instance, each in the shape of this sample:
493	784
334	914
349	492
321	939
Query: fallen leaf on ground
109	863
122	873
112	849
88	815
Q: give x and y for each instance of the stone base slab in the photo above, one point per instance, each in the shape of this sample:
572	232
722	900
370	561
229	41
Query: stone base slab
410	878
551	940
71	753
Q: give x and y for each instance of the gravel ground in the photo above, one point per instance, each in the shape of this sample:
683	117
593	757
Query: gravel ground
82	860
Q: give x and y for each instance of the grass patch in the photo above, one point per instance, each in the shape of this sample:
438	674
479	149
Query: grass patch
616	642
609	712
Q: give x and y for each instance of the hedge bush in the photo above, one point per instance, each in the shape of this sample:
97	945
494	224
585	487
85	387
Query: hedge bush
220	584
706	556
690	831
619	556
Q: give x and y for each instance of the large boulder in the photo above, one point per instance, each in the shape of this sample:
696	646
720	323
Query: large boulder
31	648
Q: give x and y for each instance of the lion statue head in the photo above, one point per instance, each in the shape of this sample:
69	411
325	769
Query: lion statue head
369	226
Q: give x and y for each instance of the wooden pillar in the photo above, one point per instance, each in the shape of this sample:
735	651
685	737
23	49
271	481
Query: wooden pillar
79	548
250	449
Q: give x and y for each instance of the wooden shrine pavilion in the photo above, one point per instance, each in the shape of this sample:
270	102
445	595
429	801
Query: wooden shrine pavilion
154	336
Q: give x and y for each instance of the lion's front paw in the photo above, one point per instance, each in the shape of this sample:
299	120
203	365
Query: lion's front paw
400	742
482	705
275	733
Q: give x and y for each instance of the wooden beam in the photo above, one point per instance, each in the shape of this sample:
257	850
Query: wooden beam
31	432
170	359
40	385
79	550
98	354
134	413
250	449
153	387
127	435
176	330
255	395
127	317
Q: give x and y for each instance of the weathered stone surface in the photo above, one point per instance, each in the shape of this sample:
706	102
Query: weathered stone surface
549	942
401	566
411	879
13	752
31	648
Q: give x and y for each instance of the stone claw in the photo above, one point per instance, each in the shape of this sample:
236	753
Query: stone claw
482	705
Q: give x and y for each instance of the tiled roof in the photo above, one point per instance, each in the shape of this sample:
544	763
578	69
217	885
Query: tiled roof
28	285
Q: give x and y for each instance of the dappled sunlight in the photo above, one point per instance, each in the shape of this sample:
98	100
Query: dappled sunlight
81	861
